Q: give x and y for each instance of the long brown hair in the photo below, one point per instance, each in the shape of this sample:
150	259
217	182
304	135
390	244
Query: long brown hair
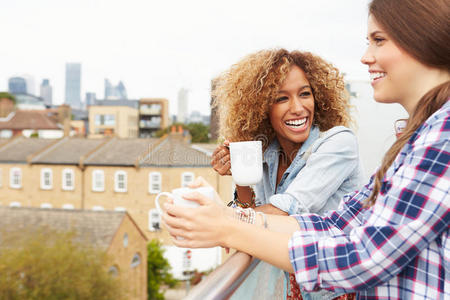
422	29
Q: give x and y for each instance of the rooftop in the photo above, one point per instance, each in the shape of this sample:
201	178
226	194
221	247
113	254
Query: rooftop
93	227
18	149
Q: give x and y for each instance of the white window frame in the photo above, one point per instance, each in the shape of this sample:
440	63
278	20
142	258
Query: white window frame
44	184
101	186
154	183
185	183
98	208
154	217
12	183
68	206
64	181
117	182
15	204
120	208
46	205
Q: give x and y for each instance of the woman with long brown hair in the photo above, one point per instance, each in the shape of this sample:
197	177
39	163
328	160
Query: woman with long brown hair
389	240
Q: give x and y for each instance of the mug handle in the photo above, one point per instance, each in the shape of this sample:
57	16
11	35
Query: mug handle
158	207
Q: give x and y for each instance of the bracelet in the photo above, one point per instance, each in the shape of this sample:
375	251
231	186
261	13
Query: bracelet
244	204
246	215
264	217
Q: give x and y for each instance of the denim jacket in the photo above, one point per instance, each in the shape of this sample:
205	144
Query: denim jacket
326	167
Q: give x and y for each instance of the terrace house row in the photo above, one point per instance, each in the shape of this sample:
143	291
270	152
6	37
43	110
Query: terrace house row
103	174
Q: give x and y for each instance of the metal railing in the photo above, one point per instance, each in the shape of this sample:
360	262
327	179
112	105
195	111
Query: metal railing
223	281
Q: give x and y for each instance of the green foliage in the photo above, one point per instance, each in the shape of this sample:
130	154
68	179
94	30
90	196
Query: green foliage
158	271
199	131
34	135
8	96
49	265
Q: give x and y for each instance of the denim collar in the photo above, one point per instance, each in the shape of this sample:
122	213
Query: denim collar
274	146
271	155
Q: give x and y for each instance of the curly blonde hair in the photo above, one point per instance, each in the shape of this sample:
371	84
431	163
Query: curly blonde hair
244	93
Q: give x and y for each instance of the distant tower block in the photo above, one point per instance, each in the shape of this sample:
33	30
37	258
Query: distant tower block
182	105
46	92
73	85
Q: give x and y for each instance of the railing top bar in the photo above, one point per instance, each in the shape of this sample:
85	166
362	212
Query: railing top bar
222	282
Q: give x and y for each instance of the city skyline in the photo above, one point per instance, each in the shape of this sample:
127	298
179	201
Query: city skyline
159	47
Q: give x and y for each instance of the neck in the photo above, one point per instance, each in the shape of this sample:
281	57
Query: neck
427	83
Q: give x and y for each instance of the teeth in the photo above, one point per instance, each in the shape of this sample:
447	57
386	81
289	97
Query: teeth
296	122
377	75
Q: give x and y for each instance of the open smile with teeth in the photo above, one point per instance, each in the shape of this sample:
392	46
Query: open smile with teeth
377	75
296	123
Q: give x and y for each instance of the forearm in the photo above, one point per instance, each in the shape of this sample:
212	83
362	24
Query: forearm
267	245
270	209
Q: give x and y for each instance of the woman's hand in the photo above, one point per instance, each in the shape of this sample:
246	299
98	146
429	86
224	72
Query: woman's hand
200	227
221	159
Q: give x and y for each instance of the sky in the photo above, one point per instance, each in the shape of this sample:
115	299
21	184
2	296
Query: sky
157	47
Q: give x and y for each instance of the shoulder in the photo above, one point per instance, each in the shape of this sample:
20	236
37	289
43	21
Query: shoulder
338	136
436	128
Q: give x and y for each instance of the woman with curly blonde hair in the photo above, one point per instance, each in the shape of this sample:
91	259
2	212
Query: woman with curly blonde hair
296	103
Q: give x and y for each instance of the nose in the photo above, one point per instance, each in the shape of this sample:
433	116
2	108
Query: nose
368	57
295	105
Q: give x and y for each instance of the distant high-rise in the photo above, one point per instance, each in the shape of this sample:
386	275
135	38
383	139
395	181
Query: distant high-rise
182	113
115	92
46	92
90	99
73	85
31	84
17	85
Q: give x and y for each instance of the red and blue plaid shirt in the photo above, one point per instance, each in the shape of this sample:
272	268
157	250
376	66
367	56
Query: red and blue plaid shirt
400	247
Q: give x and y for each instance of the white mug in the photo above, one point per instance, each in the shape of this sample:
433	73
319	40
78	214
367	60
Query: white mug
246	162
177	196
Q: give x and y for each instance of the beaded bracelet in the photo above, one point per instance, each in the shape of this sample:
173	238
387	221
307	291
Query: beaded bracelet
244	204
247	215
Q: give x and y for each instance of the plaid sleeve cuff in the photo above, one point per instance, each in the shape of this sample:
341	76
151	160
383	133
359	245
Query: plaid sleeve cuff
303	256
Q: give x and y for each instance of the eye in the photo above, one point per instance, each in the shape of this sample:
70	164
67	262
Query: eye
379	41
281	99
305	94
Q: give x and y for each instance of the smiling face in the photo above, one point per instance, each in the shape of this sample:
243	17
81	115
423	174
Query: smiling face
396	77
292	113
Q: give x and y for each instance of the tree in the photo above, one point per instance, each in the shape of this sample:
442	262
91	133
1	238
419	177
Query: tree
158	271
199	131
49	265
6	95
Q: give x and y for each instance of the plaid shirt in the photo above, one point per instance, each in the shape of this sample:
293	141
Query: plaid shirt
400	247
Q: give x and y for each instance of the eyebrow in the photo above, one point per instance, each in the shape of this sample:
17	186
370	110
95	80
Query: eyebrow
301	88
372	34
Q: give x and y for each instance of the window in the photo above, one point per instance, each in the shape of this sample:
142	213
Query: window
68	180
46	205
113	271
15	204
68	206
15	178
154	220
136	261
125	240
120	208
108	120
154	183
46	179
120	181
98	208
98	181
187	178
